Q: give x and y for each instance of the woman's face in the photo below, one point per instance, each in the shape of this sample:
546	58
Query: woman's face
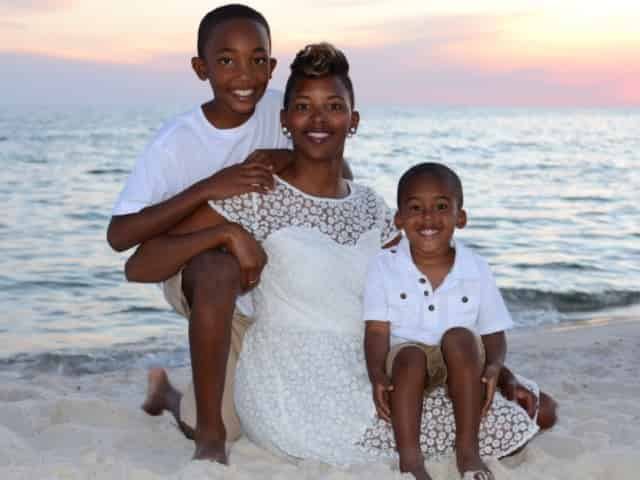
319	117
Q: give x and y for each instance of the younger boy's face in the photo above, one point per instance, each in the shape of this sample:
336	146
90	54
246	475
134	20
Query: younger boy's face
429	213
237	65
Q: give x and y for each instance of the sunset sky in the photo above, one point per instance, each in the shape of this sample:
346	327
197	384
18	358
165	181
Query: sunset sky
475	52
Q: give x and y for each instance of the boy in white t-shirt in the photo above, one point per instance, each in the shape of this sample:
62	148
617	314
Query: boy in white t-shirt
426	302
197	157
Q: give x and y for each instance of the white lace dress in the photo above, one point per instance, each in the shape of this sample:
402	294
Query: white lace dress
302	388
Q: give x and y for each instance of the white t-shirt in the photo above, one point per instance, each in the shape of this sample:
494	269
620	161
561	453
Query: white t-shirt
397	292
189	148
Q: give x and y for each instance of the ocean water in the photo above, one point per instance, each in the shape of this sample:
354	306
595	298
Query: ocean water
552	198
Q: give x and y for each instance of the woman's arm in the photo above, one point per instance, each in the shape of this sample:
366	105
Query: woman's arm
163	256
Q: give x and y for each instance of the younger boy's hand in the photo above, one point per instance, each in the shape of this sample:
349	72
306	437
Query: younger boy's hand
514	391
382	387
490	378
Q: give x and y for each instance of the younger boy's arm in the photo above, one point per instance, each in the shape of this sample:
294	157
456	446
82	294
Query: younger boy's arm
126	231
495	347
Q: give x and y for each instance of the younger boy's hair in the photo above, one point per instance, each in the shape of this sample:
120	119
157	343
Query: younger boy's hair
437	170
221	14
316	61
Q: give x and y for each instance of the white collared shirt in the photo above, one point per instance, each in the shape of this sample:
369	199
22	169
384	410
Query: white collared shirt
397	292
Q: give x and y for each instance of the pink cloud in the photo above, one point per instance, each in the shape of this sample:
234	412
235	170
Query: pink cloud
32	6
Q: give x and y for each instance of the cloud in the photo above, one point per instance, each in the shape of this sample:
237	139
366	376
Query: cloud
33	6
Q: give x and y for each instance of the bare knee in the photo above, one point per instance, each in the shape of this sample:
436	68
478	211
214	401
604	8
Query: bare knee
547	412
459	341
209	275
410	361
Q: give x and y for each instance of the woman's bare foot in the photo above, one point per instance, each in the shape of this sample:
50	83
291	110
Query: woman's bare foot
471	466
161	395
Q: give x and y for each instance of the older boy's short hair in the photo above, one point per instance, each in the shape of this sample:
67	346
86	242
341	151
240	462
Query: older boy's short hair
319	60
437	170
221	14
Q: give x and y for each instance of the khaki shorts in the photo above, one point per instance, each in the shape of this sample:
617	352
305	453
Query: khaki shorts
436	366
172	289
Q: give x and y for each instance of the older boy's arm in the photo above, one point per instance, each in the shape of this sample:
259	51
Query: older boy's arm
279	159
376	348
495	347
163	256
126	231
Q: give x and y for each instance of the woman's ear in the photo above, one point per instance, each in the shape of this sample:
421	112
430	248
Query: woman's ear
355	120
461	221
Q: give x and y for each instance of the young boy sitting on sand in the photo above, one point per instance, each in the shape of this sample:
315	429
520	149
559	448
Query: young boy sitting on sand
427	304
196	158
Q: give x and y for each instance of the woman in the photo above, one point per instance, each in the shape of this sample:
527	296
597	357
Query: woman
301	385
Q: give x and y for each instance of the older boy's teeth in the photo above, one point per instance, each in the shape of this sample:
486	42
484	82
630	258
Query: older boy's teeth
243	93
428	232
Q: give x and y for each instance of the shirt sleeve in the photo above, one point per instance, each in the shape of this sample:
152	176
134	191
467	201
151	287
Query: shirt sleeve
240	209
493	314
375	305
146	184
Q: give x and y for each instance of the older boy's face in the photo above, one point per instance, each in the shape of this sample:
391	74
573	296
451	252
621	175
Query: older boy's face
237	64
429	214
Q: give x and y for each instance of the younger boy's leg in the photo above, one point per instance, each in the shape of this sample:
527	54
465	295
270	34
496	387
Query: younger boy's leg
464	367
409	375
211	284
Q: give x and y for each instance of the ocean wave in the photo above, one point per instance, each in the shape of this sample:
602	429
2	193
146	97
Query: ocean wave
530	300
147	353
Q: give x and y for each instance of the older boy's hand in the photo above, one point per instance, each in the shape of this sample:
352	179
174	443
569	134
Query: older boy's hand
237	179
490	378
249	253
381	386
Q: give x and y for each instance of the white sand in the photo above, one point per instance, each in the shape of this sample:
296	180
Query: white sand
92	427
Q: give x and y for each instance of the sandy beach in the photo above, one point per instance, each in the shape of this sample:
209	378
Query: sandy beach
92	427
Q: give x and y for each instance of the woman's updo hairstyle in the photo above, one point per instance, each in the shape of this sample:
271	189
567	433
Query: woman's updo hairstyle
316	61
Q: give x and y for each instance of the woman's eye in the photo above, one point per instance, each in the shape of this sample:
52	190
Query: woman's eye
301	107
442	206
415	208
336	107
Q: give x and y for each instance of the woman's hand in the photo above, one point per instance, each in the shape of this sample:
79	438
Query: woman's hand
249	253
514	391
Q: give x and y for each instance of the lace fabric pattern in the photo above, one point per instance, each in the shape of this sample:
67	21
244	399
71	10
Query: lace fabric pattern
344	220
301	386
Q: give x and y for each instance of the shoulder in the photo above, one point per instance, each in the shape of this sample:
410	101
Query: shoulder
186	123
473	261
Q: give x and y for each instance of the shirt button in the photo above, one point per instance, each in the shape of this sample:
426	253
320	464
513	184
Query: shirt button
432	308
426	293
422	280
393	251
403	296
465	299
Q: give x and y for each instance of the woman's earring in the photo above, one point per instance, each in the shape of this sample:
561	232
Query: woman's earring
286	132
352	131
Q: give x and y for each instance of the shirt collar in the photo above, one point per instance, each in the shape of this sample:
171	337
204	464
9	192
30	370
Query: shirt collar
464	265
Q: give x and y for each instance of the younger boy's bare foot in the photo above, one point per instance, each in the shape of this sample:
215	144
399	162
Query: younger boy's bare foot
161	395
213	450
414	466
472	467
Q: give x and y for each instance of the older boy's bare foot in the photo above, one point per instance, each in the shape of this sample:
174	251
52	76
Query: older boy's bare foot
213	450
472	467
161	395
